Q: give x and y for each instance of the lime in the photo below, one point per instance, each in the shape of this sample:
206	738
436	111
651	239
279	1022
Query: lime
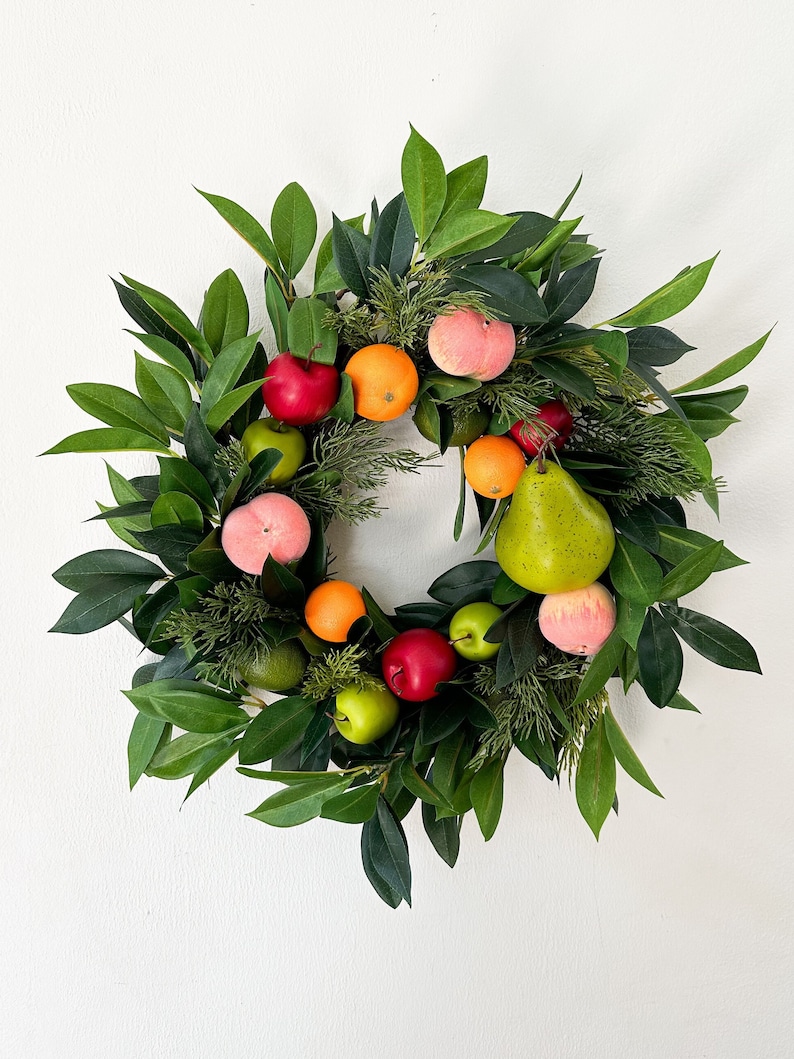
277	669
468	425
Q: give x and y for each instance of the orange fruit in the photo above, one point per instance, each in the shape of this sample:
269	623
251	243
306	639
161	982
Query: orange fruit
493	465
331	609
385	382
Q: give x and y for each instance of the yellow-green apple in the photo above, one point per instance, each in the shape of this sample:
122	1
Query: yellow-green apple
557	426
467	631
269	433
415	661
465	342
363	715
270	524
298	391
578	622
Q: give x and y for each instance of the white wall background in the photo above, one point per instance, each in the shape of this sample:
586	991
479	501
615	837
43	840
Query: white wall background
131	928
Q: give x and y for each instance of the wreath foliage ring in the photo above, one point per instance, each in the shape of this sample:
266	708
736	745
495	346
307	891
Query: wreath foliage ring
576	455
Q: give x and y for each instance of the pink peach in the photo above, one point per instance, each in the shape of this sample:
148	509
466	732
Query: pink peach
466	343
270	524
578	622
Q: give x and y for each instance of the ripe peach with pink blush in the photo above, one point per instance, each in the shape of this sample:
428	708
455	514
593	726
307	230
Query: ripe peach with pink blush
578	622
270	524
467	343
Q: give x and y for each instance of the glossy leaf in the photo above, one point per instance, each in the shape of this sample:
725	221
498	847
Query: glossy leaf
529	229
444	834
466	231
89	570
508	295
630	620
298	804
117	408
221	412
275	728
465	583
224	315
388	849
565	375
668	300
174	317
660	659
465	186
277	310
438	718
145	737
171	354
424	183
487	795
393	238
635	574
572	292
596	778
246	226
98	606
691	572
602	667
351	255
226	370
107	439
189	705
625	754
354	806
145	317
306	334
548	247
172	509
186	754
656	346
165	392
210	766
710	638
293	223
420	786
453	753
677	543
726	368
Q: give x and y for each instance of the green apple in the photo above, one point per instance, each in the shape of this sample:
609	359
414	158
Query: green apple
270	434
365	714
468	628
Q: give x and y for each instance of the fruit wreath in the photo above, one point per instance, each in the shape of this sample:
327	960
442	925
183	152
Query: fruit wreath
574	453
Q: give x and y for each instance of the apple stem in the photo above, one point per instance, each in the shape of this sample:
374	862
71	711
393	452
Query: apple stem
466	637
310	354
393	680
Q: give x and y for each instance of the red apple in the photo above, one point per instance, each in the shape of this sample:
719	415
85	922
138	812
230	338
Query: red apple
270	524
466	343
299	392
556	417
578	622
416	661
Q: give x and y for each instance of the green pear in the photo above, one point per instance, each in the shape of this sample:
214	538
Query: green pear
554	537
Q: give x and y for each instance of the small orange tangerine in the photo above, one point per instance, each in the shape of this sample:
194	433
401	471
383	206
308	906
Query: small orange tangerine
493	465
331	609
385	382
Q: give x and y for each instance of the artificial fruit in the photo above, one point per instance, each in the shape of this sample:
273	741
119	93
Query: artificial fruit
269	433
364	714
578	622
415	661
467	631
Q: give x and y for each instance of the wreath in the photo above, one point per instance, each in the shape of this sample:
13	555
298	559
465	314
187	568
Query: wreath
574	453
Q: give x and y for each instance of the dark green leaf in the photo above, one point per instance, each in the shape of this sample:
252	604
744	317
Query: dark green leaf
102	603
509	295
635	574
168	352
505	667
210	766
444	834
572	292
465	583
164	391
526	642
420	786
277	310
186	754
637	525
650	376
384	629
566	376
710	638
379	884
180	476
107	439
280	585
298	804
145	317
677	543
174	317
117	408
595	778
344	409
351	255
225	371
691	572
440	717
678	702
307	335
294	227
92	569
171	544
221	412
354	806
656	346
224	316
388	850
668	300
630	620
660	659
176	508
625	754
145	737
554	241
452	755
601	668
275	728
190	705
200	449
487	794
506	591
529	229
393	238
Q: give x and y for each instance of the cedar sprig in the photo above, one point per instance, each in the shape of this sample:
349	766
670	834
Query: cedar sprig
327	674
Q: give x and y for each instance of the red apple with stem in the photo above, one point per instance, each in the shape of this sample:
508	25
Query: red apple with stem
558	424
298	391
415	661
